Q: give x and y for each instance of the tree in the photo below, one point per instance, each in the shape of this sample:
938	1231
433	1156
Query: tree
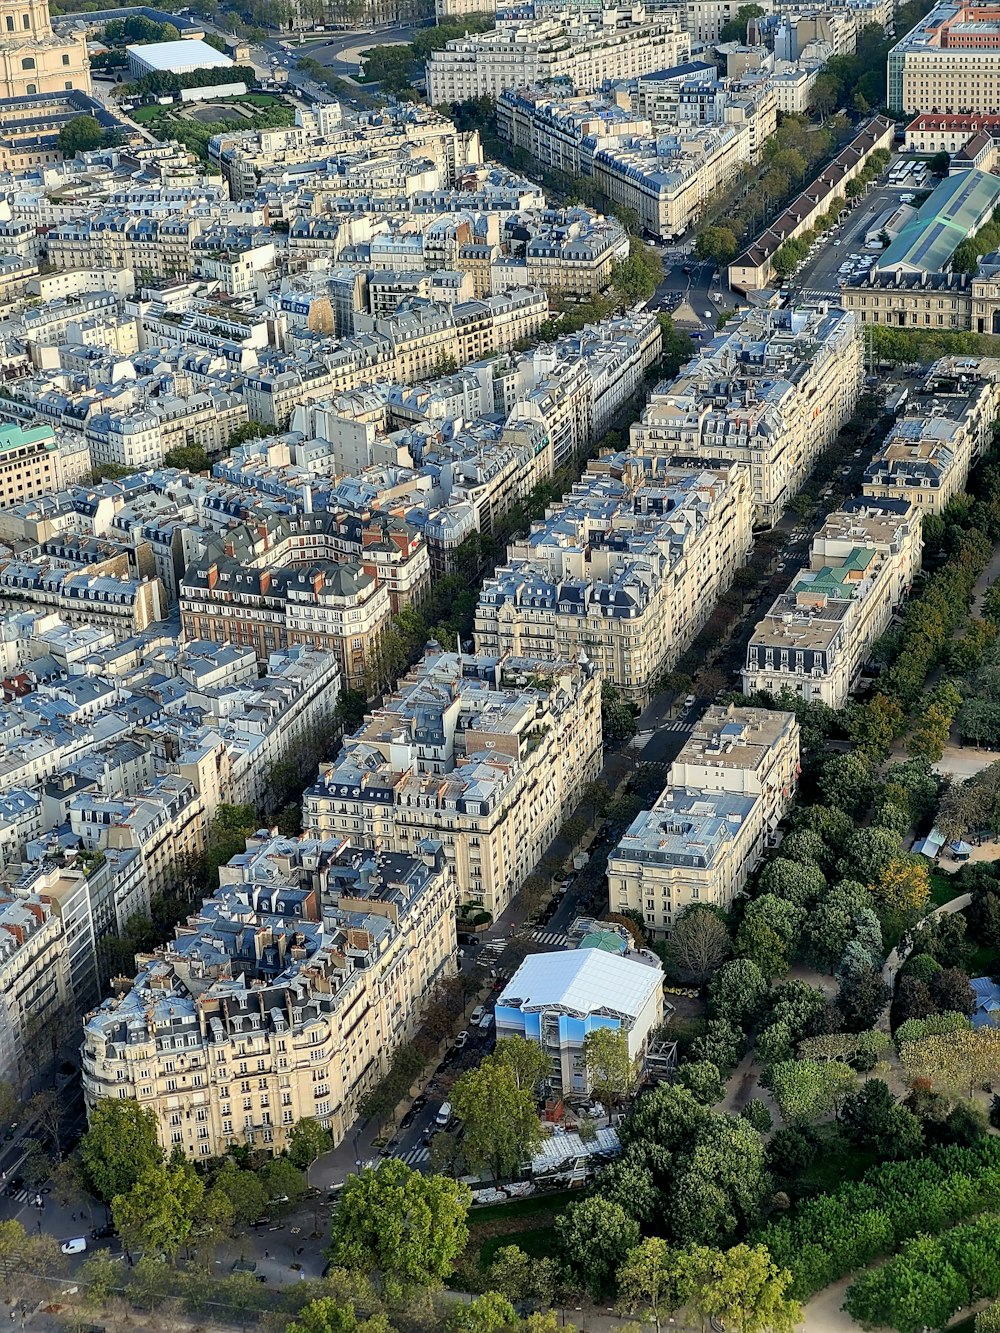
525	1059
756	1113
519	1276
806	1090
717	243
120	1146
832	924
699	944
245	1192
904	886
283	1180
401	1223
499	1119
861	998
646	1280
957	1060
872	1118
488	1313
82	134
825	92
797	882
743	1288
327	1315
737	991
736	28
611	1069
868	853
952	992
595	1236
307	1140
617	717
158	1212
702	1080
187	457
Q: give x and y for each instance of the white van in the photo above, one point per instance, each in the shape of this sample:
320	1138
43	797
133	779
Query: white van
443	1117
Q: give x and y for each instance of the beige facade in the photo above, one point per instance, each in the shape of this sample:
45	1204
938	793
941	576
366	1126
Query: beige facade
32	58
922	301
729	787
816	637
487	754
627	569
792	378
29	464
926	459
248	1049
35	994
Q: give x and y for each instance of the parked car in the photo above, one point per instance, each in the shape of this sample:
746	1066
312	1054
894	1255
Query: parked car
486	1022
75	1246
690	701
477	1014
443	1117
461	1039
104	1232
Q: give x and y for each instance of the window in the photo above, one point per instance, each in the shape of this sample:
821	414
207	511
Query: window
26	22
65	60
10	24
32	88
28	62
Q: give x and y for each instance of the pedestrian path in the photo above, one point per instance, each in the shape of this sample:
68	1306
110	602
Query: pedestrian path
676	724
552	939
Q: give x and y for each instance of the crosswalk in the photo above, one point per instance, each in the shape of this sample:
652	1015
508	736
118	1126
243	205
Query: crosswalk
552	939
827	294
677	724
494	947
415	1157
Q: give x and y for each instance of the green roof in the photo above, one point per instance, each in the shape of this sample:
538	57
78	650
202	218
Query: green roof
16	437
959	206
607	940
837	580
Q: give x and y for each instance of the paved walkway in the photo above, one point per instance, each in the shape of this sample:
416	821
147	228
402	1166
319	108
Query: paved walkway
900	954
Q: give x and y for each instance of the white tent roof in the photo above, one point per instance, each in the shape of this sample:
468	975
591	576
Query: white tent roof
582	982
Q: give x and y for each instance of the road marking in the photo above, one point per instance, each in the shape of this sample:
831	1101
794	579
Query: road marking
550	938
414	1157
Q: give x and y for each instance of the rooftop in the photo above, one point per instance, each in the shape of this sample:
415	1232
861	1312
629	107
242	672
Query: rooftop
582	982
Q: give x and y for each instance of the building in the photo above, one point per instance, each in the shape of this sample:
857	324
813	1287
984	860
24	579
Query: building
770	391
926	458
34	59
283	998
729	787
949	63
816	637
175	57
556	999
753	269
36	998
626	569
957	208
335	606
487	754
30	464
583	48
936	133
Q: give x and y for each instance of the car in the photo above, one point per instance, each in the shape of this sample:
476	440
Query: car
486	1022
104	1232
280	1198
838	242
690	701
443	1117
461	1040
845	471
477	1014
261	1222
75	1246
709	314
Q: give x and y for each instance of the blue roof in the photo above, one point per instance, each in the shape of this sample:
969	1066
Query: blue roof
959	206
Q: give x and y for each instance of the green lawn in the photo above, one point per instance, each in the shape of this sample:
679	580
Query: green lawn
539	1243
943	888
835	1162
530	1207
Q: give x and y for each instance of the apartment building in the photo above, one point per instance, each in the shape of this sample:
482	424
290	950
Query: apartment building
487	754
36	998
926	458
335	606
626	570
30	463
124	604
414	344
729	787
582	48
949	63
284	997
770	391
816	637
